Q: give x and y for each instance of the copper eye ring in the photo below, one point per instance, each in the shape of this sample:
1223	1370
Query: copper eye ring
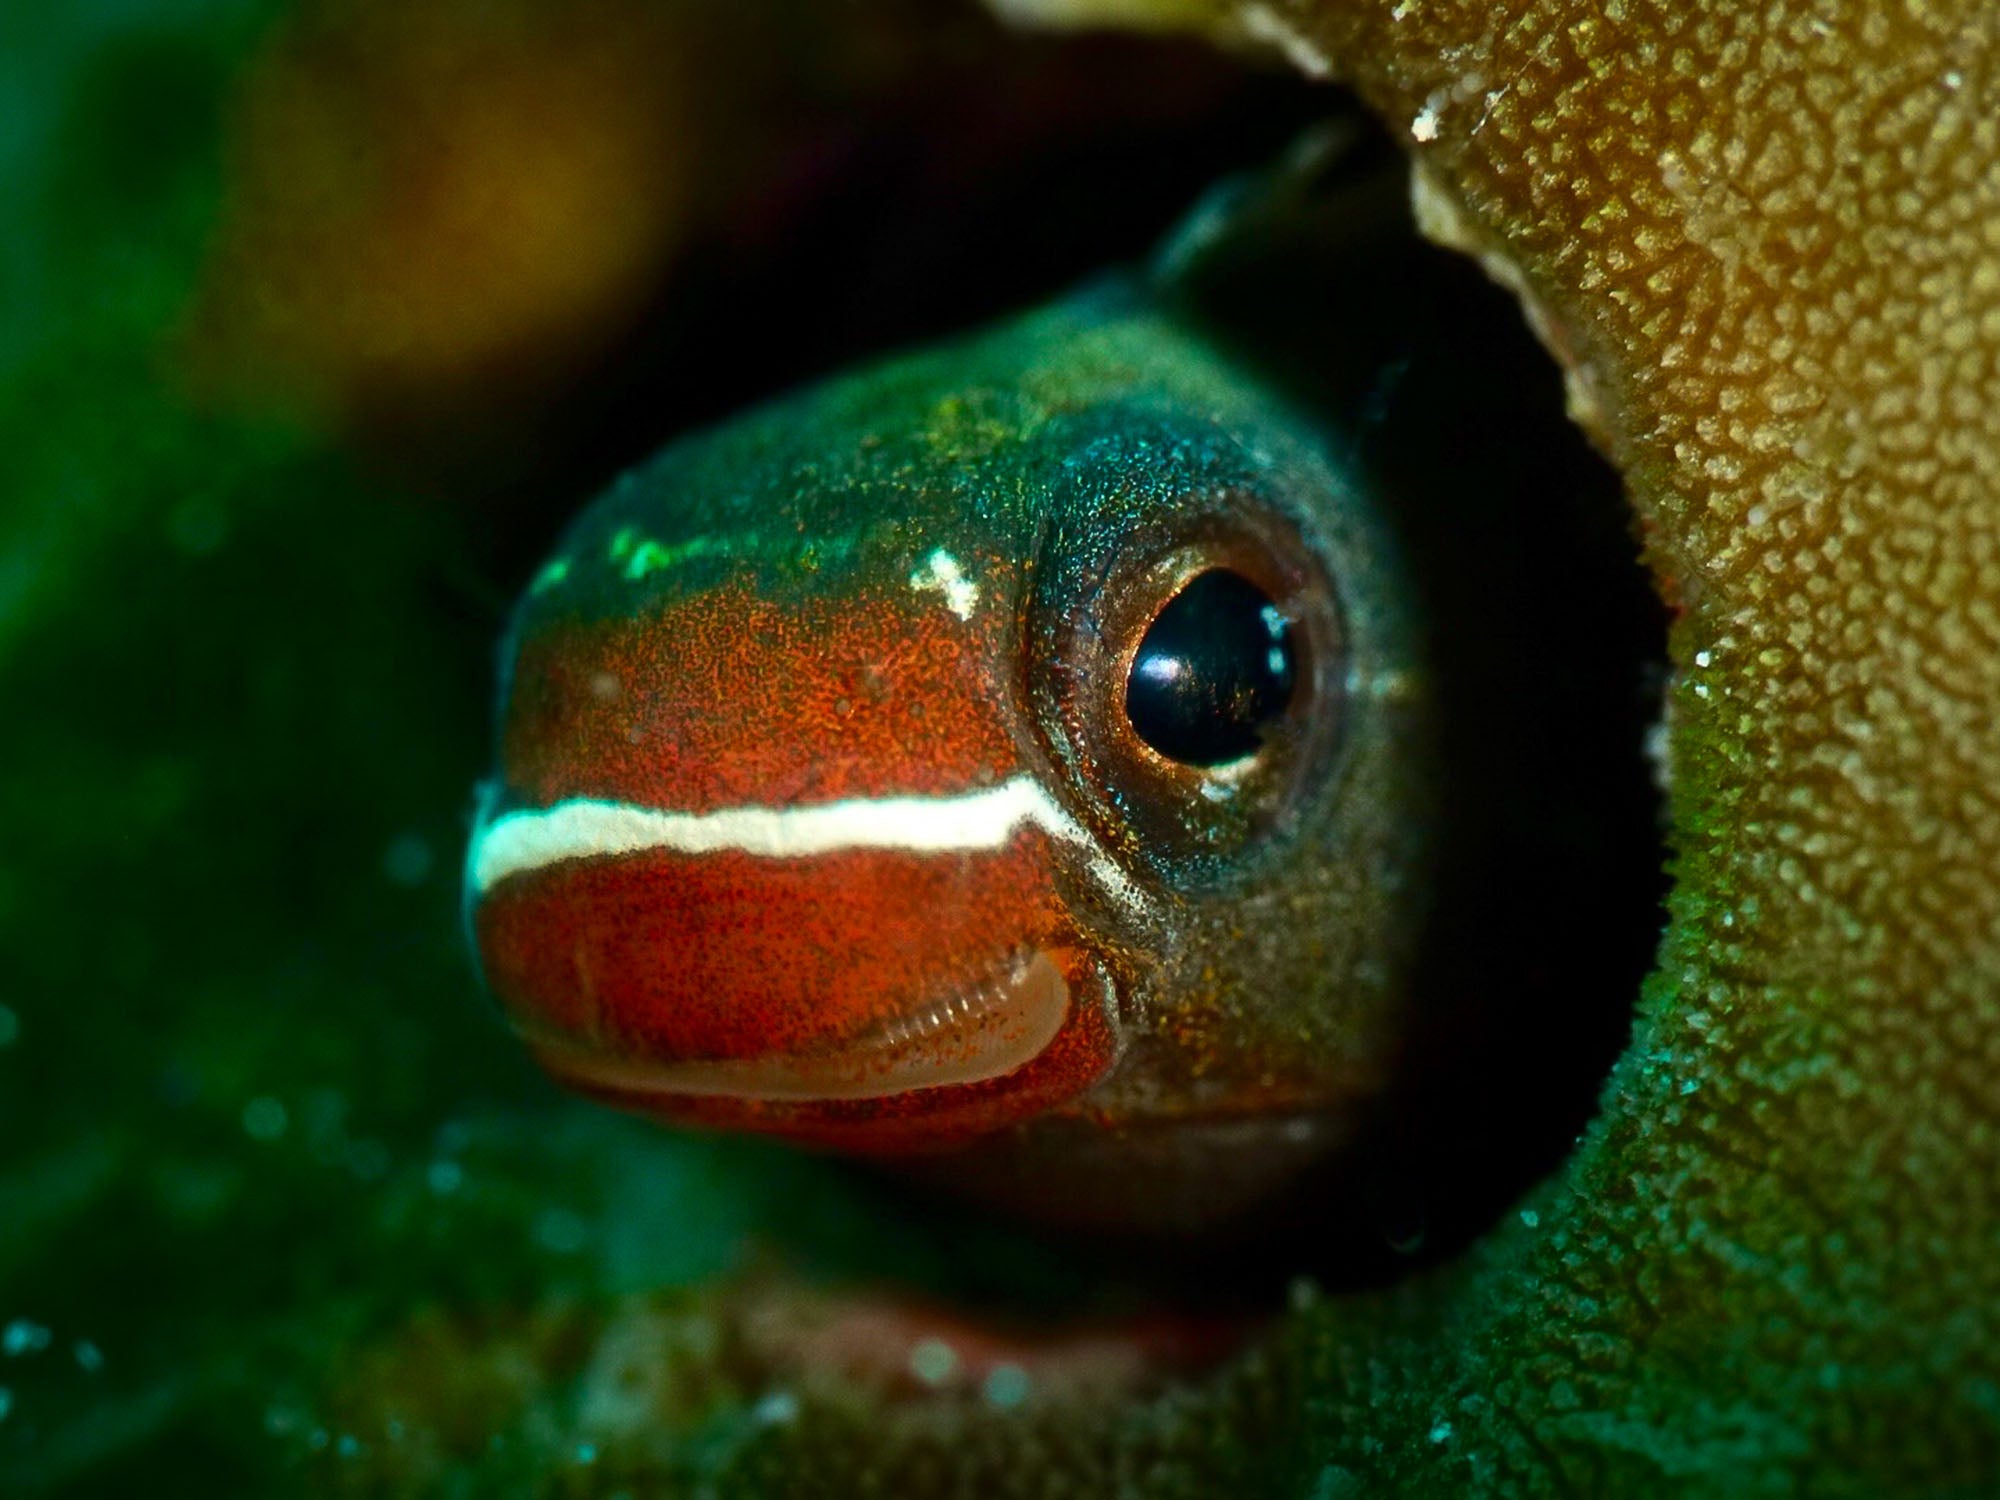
1147	802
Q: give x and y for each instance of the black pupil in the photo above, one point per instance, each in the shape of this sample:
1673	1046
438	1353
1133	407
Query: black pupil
1215	667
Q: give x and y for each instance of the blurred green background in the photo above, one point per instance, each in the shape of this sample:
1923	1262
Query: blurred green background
315	324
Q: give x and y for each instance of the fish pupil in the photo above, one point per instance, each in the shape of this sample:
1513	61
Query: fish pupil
1214	668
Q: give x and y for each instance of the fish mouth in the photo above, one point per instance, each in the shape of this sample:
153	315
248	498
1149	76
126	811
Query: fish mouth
1020	1041
970	1033
874	996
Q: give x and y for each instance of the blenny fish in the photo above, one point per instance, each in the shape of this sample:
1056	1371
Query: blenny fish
1023	752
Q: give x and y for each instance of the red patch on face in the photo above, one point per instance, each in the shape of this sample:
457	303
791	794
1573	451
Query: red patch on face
665	958
920	1120
756	992
732	955
726	699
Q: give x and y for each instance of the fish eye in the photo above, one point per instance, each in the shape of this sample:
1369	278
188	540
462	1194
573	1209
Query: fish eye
1191	683
1215	667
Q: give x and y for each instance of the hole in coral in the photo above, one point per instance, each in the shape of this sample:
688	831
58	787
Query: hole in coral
1548	640
1549	644
1549	648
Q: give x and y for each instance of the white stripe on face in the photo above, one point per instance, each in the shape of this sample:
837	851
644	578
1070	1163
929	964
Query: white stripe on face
585	827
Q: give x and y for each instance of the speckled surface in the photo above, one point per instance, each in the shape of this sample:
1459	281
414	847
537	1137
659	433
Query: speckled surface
1763	242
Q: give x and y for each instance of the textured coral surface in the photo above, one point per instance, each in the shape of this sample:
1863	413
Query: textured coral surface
1765	243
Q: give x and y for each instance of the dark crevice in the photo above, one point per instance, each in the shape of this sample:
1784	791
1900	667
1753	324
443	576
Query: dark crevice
1548	649
1547	656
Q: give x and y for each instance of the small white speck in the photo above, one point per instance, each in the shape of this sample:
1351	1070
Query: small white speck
1954	80
1659	752
933	1361
1006	1386
1440	1431
941	574
1274	660
1702	658
265	1119
24	1336
1530	1218
1424	128
1263	23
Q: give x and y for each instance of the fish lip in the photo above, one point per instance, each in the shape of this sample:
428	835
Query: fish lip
886	1092
660	947
977	1031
